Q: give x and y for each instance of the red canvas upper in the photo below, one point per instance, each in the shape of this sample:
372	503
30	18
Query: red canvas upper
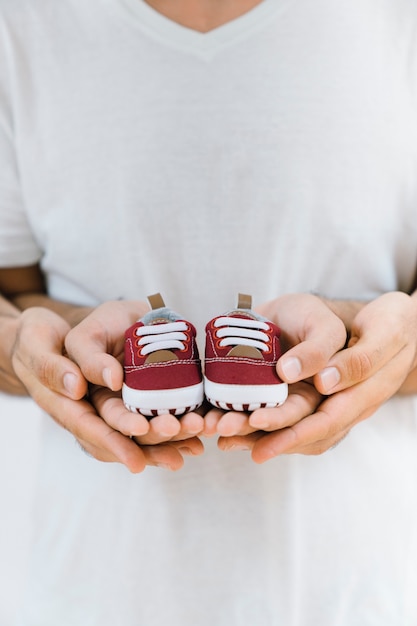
221	367
183	372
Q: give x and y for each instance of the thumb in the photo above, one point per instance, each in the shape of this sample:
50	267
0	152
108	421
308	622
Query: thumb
316	334
90	350
38	354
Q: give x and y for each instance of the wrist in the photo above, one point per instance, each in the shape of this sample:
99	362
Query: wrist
9	382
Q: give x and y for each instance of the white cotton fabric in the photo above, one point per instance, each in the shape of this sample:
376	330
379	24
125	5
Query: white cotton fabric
276	154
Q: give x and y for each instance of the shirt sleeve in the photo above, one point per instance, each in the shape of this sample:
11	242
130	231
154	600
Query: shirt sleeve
18	246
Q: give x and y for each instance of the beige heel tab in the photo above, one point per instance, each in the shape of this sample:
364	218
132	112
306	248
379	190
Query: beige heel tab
244	301
156	301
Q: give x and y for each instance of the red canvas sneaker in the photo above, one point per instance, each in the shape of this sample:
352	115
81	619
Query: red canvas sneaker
242	350
162	365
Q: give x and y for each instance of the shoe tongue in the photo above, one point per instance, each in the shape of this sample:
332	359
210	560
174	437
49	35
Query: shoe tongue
160	316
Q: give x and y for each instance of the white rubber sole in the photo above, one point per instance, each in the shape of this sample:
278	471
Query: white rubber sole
245	397
162	401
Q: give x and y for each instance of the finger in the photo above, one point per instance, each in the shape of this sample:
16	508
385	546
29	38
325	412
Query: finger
310	356
80	418
91	355
190	447
51	370
44	333
166	456
357	363
239	442
320	431
303	399
162	428
301	402
96	344
191	424
270	447
121	450
98	438
318	334
382	330
234	423
170	428
111	408
211	420
173	429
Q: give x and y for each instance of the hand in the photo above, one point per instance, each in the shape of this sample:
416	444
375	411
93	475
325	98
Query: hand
96	344
58	385
381	353
311	335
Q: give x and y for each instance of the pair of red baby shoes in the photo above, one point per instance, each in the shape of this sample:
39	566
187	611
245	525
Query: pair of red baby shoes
163	371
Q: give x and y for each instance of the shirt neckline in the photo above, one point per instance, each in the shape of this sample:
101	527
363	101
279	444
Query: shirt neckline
204	45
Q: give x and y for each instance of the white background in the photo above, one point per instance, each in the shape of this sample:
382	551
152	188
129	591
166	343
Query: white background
20	449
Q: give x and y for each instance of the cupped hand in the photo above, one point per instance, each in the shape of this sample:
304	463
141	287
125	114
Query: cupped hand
383	340
96	344
356	381
310	335
59	385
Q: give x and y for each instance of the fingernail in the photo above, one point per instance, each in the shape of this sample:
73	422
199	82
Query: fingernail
107	377
329	377
70	382
268	455
164	466
185	450
291	368
259	425
238	447
139	431
166	435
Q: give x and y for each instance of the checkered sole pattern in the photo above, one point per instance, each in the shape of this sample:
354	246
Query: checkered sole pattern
163	401
155	412
245	397
228	406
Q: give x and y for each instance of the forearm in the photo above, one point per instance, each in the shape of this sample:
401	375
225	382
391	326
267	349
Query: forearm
71	313
24	287
9	315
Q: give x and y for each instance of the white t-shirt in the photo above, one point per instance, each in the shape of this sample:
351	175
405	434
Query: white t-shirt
277	153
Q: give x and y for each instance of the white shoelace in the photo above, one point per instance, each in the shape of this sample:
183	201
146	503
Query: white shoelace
168	336
239	331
